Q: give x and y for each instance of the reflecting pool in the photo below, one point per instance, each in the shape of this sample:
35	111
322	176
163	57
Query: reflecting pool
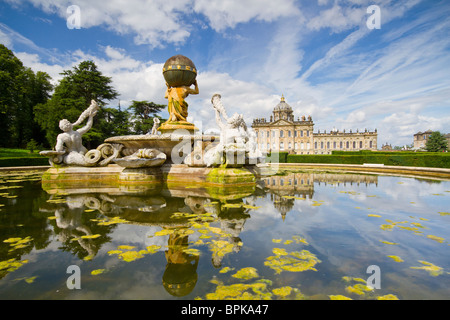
296	235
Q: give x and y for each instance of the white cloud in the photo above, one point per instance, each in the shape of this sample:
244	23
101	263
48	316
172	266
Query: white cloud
153	22
6	40
159	22
338	18
224	14
32	60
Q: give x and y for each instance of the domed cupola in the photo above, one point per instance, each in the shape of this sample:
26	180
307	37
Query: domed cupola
283	111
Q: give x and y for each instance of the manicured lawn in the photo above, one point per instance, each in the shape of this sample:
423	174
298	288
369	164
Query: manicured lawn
21	157
18	153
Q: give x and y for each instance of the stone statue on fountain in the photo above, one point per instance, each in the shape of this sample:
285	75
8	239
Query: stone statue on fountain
69	149
237	145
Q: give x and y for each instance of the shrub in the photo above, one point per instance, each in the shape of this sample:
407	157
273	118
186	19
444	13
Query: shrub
20	162
436	160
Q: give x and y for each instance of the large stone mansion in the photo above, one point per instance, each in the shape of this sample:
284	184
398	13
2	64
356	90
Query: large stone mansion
284	133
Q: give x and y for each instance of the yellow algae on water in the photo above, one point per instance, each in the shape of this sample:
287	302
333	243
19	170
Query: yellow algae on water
129	256
232	205
276	240
435	238
97	272
299	239
246	273
417	224
296	261
107	222
12	264
396	258
125	247
431	268
30	279
387	242
339	297
91	236
215	230
153	248
374	215
247	206
220	247
388	297
18	243
359	289
192	251
226	269
164	232
240	291
282	292
27	280
349	279
444	213
387	227
279	251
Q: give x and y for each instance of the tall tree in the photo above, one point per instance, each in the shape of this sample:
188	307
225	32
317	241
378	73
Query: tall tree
20	90
73	95
115	122
10	68
436	142
143	113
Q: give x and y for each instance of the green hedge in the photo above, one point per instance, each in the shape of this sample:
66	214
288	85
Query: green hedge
436	160
280	157
367	152
21	162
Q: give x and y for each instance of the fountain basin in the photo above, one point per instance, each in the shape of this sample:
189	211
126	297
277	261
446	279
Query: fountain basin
179	145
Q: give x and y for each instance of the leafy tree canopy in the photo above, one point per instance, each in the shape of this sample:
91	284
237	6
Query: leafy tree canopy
72	96
20	90
436	142
143	113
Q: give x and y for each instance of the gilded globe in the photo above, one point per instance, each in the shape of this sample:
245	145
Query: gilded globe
179	71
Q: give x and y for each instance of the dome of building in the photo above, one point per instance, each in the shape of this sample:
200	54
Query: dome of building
282	106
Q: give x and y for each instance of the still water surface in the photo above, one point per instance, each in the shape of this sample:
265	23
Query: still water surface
300	235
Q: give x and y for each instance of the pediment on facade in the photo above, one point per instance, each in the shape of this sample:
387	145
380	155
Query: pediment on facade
282	122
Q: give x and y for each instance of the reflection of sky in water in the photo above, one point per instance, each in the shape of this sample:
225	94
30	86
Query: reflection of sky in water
338	215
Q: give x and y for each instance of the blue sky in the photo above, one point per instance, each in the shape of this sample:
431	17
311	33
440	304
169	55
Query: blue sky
319	54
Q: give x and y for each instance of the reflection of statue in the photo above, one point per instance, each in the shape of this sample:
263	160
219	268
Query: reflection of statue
69	220
180	276
70	140
178	107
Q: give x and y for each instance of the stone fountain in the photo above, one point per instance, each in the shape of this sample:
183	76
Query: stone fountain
173	153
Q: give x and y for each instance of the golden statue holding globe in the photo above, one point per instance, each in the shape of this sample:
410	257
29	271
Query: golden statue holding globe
180	74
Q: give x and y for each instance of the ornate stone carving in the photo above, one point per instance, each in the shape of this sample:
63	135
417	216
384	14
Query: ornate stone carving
142	158
69	149
237	145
